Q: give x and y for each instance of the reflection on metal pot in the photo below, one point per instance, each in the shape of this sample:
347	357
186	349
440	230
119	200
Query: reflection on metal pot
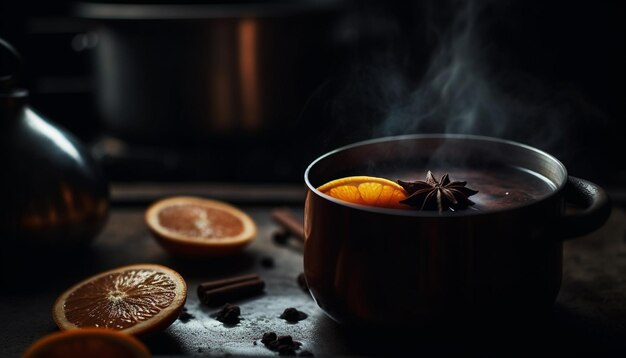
179	72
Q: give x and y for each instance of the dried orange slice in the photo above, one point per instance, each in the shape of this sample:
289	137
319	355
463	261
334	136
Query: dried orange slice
190	226
88	342
134	299
366	190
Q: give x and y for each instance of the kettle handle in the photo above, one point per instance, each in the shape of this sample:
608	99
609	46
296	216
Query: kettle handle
9	80
596	209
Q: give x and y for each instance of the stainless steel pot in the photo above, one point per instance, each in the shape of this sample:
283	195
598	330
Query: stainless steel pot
180	72
367	265
54	194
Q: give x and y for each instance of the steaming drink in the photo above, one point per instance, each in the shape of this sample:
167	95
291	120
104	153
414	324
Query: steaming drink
498	188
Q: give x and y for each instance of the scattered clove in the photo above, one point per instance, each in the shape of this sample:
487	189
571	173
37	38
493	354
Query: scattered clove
284	345
185	316
281	237
268	337
293	315
267	262
229	314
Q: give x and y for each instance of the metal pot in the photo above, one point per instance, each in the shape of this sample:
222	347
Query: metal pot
179	72
367	265
54	194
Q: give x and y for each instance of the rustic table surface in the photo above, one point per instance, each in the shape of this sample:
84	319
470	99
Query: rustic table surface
589	316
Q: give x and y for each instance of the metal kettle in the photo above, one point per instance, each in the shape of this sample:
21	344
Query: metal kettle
53	193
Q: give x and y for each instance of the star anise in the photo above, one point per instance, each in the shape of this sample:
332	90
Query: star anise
432	194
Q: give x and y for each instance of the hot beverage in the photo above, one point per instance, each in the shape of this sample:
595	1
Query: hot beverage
498	187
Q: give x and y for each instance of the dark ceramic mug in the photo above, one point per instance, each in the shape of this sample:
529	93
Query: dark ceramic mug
365	265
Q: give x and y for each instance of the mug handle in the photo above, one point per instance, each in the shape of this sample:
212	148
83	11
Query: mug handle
596	210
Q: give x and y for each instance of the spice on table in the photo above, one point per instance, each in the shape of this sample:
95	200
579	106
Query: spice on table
291	224
229	314
267	262
268	337
293	315
218	292
185	316
209	285
284	345
281	237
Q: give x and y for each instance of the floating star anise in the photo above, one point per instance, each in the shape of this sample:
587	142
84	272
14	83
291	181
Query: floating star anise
432	194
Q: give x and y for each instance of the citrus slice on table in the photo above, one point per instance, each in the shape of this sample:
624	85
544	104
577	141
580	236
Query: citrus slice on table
192	226
88	342
366	190
134	299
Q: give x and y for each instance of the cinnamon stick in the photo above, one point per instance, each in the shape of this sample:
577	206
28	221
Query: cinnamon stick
232	292
289	221
209	285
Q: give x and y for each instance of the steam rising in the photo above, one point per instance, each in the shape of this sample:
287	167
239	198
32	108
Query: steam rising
454	91
465	86
460	92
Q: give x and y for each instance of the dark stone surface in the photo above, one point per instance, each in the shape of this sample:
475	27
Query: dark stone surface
589	317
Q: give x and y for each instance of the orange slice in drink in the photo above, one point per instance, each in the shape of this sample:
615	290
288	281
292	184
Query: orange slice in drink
366	190
134	299
190	226
88	342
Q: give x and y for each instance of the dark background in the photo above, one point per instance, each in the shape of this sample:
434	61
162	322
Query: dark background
572	52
